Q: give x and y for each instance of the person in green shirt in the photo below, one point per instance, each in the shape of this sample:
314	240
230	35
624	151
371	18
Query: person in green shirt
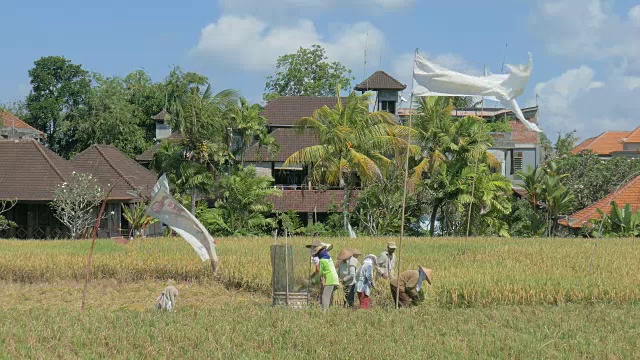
328	275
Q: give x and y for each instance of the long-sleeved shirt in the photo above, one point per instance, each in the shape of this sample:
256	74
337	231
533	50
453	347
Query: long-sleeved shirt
385	264
347	271
328	272
364	278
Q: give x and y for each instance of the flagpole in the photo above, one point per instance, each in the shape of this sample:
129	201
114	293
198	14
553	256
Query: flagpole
406	177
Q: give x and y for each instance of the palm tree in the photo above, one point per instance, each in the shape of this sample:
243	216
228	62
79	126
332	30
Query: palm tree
249	127
352	145
448	147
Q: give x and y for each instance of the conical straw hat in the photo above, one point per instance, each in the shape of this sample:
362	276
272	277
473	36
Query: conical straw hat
344	254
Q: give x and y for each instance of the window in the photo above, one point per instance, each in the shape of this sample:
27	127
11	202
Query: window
388	106
516	161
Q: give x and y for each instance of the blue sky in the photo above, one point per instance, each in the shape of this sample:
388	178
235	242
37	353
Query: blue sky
586	53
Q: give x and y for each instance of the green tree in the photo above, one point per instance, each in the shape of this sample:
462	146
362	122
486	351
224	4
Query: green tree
307	73
565	143
249	127
244	201
451	150
353	142
57	99
111	118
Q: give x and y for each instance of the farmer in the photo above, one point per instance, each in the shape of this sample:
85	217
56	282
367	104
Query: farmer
364	281
386	262
328	275
347	266
409	284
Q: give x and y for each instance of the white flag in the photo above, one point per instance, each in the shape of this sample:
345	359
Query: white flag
430	79
169	211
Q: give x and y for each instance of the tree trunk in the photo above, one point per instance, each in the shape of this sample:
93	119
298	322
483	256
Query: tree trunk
345	208
434	214
193	202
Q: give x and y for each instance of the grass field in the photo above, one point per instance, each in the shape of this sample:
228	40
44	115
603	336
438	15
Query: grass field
513	298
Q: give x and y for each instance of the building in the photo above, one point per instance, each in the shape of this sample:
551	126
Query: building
30	173
612	143
627	194
12	128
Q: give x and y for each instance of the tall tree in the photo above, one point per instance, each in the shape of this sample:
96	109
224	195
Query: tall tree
353	142
307	73
111	118
57	100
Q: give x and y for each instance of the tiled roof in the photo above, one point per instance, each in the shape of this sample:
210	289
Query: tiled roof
287	110
29	171
311	200
633	137
8	120
162	115
583	145
109	165
628	194
380	80
290	140
604	144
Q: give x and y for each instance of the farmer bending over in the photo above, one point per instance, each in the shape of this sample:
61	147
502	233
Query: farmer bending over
409	285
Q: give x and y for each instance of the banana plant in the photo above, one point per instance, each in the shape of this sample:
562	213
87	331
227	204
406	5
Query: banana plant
619	221
137	218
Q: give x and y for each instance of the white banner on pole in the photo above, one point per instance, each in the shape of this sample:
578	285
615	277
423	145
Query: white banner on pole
434	80
169	211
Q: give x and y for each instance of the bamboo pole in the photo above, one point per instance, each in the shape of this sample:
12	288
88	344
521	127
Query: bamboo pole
406	178
93	243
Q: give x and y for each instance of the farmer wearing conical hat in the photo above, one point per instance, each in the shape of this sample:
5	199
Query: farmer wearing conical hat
408	286
347	266
328	275
386	262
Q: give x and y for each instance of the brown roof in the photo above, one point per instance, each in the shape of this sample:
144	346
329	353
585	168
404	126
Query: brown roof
380	80
628	194
290	140
162	115
8	120
29	171
311	200
604	144
110	166
287	110
147	155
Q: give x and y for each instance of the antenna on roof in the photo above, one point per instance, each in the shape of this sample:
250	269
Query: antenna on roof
504	57
364	69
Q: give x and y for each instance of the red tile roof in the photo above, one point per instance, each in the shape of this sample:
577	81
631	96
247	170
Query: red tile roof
633	137
627	194
290	140
109	165
8	120
29	171
287	110
310	201
604	144
380	80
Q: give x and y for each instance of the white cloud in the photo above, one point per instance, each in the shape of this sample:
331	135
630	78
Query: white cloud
634	15
247	43
588	29
594	32
576	101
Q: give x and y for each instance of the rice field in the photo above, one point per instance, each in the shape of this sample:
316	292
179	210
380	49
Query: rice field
491	298
468	273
